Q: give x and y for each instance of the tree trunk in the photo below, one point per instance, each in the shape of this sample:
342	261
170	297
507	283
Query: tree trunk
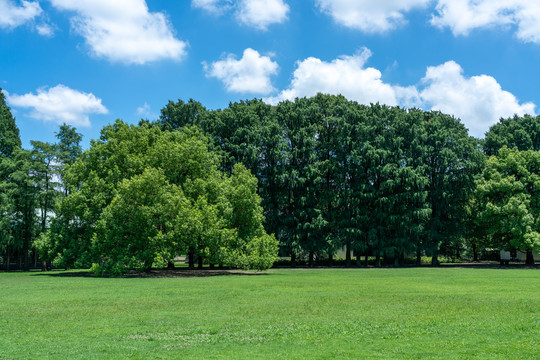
418	257
293	259
191	257
310	260
212	266
366	260
170	265
378	260
8	259
200	262
26	245
330	259
435	259
358	259
475	252
530	258
348	253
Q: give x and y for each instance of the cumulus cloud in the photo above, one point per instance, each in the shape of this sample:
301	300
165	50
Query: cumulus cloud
124	30
13	15
348	76
463	16
254	13
261	13
478	101
59	104
250	74
368	15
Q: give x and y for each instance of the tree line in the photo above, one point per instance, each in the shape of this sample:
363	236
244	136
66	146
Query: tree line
226	187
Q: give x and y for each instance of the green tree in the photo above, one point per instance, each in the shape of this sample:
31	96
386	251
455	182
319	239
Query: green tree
508	201
110	179
520	132
393	197
301	218
44	156
452	162
24	194
68	150
9	143
9	132
135	229
177	115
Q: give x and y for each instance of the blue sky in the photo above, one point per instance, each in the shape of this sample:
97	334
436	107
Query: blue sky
89	62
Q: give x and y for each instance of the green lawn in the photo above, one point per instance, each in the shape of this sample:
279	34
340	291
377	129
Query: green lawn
427	313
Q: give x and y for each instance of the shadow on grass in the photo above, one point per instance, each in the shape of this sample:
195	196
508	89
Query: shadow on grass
459	265
155	273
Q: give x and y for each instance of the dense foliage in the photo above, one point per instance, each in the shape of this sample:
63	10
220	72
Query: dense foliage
322	175
332	173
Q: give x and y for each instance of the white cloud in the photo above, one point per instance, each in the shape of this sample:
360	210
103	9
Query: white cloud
478	101
249	74
213	6
254	13
369	15
462	16
59	104
261	13
124	30
45	30
12	15
347	76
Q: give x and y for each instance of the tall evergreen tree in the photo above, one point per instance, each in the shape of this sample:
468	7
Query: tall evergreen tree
10	143
452	162
9	132
68	150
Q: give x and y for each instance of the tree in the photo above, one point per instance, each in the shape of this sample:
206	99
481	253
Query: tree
392	197
44	156
138	187
520	132
177	115
9	143
301	218
508	200
452	162
68	150
9	132
24	195
135	230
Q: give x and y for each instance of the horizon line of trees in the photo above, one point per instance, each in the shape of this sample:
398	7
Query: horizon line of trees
330	174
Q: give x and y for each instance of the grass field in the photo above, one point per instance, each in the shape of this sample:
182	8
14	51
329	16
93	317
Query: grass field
421	313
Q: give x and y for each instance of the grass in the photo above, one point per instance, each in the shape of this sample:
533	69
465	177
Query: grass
419	313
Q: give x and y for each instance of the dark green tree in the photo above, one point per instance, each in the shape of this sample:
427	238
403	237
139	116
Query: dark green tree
452	161
520	132
68	150
177	115
9	132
